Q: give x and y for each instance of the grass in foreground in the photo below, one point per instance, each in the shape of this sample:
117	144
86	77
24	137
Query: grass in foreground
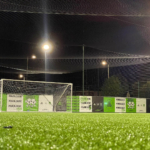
64	131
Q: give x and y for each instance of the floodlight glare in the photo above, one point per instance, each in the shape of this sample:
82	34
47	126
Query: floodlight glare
47	47
104	62
33	57
20	76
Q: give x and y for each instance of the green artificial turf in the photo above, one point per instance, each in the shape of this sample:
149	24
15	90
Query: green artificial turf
66	131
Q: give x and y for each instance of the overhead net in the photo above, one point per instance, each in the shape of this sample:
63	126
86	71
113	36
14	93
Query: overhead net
82	7
108	26
71	61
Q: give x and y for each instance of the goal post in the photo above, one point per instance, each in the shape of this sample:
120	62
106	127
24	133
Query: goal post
24	95
0	95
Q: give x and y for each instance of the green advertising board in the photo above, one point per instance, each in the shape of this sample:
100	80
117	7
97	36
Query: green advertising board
75	104
30	102
68	103
109	104
131	105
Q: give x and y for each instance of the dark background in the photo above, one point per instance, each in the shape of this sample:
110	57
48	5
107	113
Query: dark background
117	31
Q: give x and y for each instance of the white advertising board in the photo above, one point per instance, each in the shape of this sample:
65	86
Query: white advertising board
141	105
120	104
85	103
14	102
46	103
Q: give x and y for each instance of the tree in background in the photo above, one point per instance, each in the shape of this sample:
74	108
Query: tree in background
124	85
141	89
134	89
111	87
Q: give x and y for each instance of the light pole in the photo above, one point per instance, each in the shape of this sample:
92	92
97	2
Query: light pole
47	47
105	63
83	71
32	57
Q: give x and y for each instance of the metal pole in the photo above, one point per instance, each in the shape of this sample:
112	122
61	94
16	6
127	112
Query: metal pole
45	73
108	71
27	70
83	71
45	65
71	95
1	95
98	81
138	89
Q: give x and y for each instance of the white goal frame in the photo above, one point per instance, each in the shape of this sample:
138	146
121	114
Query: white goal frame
1	88
70	85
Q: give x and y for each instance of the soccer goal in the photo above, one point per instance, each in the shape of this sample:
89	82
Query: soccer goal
23	95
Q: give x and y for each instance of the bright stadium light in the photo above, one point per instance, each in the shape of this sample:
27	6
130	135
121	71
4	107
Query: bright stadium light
104	62
33	57
21	76
47	47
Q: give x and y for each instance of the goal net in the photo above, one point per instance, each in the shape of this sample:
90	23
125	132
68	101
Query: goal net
22	95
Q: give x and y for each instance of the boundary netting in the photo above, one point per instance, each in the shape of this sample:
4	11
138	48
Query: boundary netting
82	7
72	61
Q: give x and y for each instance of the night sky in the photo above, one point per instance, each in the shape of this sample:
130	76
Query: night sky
106	28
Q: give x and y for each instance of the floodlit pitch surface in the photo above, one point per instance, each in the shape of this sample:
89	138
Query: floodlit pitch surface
65	131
